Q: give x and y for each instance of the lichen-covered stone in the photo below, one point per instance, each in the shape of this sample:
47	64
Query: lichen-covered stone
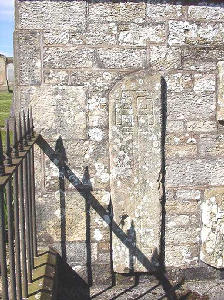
164	58
161	11
213	227
28	48
220	108
135	162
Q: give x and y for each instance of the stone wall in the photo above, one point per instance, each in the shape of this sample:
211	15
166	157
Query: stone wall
69	56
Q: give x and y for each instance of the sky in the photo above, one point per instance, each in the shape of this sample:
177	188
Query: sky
6	27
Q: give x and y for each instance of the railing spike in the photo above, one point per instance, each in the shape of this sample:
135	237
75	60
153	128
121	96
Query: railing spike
20	134
24	130
15	140
8	152
2	167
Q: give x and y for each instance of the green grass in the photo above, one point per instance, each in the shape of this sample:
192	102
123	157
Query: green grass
5	104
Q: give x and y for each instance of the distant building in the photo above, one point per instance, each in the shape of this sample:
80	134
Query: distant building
6	73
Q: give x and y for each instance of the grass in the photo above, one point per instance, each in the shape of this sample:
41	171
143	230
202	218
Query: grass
5	104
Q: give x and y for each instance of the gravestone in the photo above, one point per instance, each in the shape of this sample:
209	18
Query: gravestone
3	81
135	161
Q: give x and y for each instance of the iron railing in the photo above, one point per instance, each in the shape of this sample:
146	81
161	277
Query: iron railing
18	244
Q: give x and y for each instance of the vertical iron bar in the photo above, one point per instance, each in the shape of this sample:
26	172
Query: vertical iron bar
3	260
27	202
30	189
11	239
17	236
16	216
33	203
3	263
8	159
22	217
30	207
27	216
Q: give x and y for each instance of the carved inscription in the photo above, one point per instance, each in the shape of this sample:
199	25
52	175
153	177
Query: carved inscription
135	160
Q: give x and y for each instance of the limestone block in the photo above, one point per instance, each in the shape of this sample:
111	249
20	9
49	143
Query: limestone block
57	219
107	35
121	58
211	145
55	77
164	58
69	57
28	49
135	120
95	80
174	126
179	81
201	126
50	14
182	235
161	11
188	194
220	104
189	33
139	34
213	227
52	37
117	11
181	255
212	12
189	105
181	145
201	58
57	111
204	82
197	172
179	207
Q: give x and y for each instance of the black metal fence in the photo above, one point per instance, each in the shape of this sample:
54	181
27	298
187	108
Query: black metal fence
18	244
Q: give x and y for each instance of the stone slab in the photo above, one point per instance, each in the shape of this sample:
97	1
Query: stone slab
135	161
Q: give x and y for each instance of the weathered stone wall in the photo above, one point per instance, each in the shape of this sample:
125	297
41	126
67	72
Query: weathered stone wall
69	55
3	82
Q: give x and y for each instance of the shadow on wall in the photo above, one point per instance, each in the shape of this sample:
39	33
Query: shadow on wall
155	266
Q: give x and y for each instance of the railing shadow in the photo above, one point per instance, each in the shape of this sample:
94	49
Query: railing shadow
154	267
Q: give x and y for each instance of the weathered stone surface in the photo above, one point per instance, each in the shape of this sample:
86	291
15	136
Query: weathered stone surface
181	146
28	48
121	58
50	14
107	35
211	145
202	126
205	12
56	77
117	11
201	104
164	58
135	120
59	57
188	33
220	107
197	172
61	108
179	82
182	255
163	10
140	34
213	227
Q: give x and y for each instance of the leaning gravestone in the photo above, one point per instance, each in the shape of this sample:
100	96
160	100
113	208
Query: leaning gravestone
3	81
135	155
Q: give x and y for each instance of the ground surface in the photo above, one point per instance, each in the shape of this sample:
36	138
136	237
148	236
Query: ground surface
192	290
